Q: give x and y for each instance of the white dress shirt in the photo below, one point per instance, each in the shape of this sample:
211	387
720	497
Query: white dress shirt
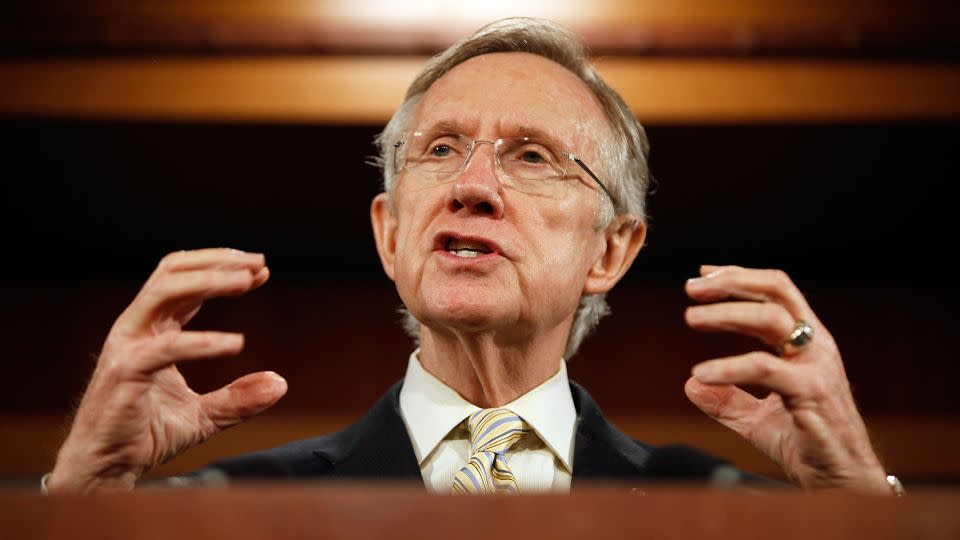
435	416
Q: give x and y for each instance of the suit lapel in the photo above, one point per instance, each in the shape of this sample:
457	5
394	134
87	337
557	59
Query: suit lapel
601	450
376	446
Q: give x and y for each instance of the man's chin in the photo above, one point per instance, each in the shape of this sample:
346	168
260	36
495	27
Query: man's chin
473	319
462	322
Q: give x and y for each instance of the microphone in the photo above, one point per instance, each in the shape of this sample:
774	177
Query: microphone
206	477
682	464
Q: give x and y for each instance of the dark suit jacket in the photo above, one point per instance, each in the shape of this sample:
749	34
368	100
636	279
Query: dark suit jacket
378	446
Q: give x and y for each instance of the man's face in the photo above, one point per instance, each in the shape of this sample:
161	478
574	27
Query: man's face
536	249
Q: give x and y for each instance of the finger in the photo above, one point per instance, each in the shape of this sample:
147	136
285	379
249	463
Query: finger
173	347
260	277
768	322
706	269
245	397
693	286
750	284
186	311
755	368
213	258
723	402
759	421
175	291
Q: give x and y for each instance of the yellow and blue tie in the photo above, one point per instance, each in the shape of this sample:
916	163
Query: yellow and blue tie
492	432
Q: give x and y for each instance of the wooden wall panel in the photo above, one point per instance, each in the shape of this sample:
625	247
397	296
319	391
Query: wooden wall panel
344	90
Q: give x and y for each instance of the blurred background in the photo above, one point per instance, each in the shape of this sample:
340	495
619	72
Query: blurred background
814	136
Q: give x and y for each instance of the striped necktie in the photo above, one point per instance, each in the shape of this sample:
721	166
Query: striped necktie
492	432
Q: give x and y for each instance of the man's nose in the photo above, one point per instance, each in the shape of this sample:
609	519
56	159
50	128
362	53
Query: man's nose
477	189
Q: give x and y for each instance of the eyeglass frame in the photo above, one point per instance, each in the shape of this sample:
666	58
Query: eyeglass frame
473	144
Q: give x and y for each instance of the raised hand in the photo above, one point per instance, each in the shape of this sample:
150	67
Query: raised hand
138	411
809	423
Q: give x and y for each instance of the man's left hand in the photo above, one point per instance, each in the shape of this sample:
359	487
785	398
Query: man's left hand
809	423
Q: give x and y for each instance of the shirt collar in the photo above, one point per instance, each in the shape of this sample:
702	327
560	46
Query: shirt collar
431	409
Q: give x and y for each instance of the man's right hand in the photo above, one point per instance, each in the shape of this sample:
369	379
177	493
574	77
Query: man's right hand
138	411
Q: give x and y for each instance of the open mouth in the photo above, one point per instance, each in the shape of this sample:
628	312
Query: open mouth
466	248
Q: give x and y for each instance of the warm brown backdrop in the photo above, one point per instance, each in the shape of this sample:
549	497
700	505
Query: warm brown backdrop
810	136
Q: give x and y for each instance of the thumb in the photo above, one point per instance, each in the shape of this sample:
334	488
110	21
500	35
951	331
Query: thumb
245	397
725	403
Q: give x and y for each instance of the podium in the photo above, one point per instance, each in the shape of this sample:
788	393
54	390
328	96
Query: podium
377	510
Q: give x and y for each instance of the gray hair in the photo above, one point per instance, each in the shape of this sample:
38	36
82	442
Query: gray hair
622	159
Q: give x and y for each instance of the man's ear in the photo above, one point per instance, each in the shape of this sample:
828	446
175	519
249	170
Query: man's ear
384	223
623	241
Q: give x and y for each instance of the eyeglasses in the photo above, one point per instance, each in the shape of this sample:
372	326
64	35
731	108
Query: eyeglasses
529	164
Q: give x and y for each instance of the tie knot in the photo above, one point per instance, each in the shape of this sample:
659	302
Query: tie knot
494	430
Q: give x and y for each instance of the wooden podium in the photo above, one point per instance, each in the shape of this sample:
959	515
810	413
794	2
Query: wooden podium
378	510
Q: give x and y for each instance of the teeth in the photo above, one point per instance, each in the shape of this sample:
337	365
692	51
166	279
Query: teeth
461	245
465	252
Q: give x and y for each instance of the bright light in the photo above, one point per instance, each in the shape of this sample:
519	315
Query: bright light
441	15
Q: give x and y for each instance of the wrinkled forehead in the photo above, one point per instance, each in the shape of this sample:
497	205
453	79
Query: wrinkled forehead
514	94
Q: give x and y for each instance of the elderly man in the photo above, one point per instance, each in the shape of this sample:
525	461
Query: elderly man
513	202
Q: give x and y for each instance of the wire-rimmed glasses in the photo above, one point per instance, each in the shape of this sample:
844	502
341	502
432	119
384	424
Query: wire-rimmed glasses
532	165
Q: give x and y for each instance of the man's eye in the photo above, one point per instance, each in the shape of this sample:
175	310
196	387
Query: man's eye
441	150
532	157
